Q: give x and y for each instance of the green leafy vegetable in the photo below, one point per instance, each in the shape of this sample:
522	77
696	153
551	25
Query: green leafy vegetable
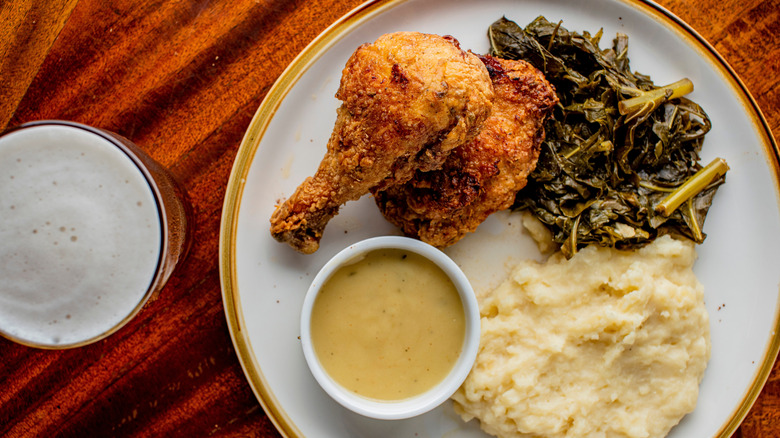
620	161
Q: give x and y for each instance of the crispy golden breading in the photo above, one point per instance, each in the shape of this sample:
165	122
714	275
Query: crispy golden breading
407	99
483	176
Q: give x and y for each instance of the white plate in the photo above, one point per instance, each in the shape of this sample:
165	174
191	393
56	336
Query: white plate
264	282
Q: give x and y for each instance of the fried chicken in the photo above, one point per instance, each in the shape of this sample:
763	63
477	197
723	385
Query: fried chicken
481	177
407	99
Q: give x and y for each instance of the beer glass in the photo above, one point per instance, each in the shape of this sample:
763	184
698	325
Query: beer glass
91	228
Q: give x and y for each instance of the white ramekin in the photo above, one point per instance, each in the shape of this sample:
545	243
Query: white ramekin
410	407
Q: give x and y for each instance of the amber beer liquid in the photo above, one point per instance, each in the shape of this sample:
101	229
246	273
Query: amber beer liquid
90	229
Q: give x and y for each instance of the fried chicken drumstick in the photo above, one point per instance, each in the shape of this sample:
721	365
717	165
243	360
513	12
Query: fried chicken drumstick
481	177
407	99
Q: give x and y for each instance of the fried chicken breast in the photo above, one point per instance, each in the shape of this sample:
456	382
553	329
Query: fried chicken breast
480	177
408	99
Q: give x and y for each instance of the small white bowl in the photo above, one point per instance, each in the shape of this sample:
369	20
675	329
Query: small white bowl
419	404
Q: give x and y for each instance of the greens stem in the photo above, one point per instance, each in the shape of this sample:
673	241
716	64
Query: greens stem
694	224
570	246
649	100
695	184
651	186
554	34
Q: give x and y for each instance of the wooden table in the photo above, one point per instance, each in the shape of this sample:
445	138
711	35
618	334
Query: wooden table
182	80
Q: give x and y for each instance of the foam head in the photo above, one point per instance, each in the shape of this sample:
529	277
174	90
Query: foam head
81	236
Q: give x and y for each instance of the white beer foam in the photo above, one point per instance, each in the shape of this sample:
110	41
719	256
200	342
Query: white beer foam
80	235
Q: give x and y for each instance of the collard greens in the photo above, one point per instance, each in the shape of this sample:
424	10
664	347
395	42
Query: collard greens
616	147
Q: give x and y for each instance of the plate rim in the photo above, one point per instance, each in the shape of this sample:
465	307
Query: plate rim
286	81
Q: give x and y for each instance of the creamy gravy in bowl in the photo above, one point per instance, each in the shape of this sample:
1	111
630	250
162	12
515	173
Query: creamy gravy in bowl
390	327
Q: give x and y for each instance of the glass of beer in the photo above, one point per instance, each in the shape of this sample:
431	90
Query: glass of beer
91	228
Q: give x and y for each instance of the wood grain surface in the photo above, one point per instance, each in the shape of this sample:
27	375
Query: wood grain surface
182	80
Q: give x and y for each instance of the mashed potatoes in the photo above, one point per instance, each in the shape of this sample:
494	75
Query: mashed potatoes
607	344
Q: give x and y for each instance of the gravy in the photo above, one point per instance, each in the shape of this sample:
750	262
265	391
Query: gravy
389	326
